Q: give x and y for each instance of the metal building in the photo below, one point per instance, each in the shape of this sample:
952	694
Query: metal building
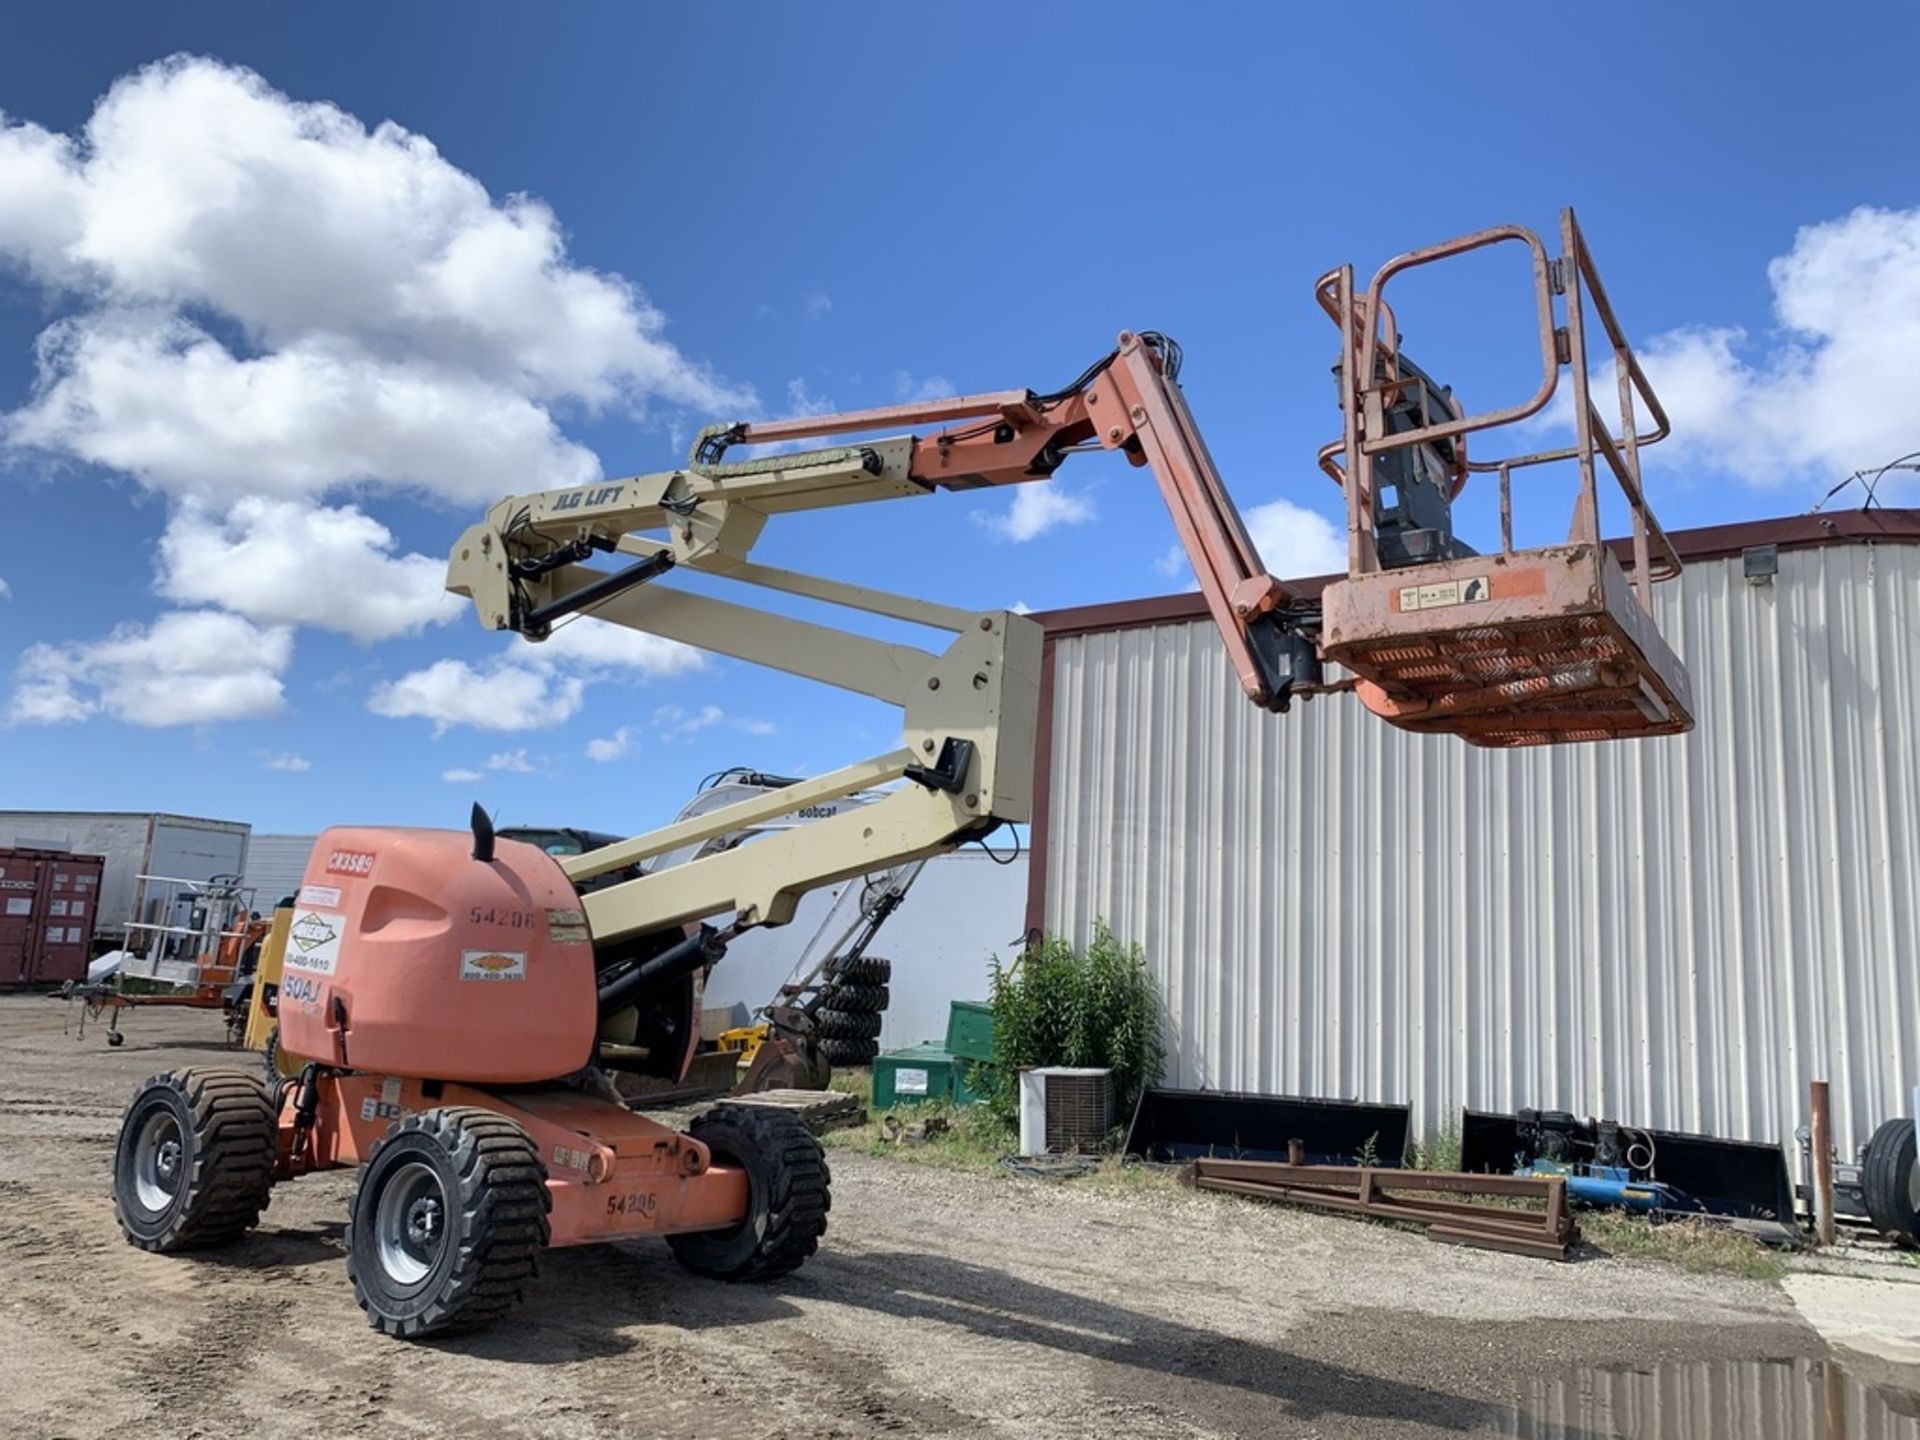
275	865
134	844
1678	932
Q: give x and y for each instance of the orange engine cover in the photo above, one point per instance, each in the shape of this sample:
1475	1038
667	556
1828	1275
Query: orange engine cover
409	957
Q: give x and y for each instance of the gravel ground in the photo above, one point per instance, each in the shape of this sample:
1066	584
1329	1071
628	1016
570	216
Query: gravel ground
940	1304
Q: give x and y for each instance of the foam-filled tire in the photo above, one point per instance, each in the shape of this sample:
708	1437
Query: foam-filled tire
849	1054
788	1196
193	1165
846	1024
448	1222
861	970
857	998
1889	1184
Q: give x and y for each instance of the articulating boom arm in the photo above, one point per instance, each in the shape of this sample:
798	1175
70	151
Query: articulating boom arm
1129	401
969	712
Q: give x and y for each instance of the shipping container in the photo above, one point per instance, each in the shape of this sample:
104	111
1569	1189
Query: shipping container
133	845
48	900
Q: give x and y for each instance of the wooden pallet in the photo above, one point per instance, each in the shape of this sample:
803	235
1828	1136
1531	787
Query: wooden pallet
822	1110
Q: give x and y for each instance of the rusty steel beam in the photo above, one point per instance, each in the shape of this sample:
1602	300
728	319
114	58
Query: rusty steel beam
1548	1232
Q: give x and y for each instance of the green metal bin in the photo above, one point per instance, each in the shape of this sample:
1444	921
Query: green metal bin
916	1076
970	1030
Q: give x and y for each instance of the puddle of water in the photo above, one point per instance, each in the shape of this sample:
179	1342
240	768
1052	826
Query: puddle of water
1714	1400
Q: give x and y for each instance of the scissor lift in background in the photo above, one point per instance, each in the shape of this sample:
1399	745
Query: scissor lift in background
1520	647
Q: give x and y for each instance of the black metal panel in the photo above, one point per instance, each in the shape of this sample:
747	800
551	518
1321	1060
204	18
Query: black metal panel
1189	1124
1738	1178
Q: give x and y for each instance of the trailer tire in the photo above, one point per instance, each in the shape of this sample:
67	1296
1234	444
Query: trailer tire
849	1054
193	1165
861	970
789	1195
846	1024
1888	1182
448	1222
858	998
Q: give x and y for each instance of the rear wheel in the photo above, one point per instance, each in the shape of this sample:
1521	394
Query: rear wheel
448	1223
193	1166
1889	1184
788	1195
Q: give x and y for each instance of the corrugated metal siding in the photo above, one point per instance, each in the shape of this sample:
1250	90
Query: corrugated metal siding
1676	932
1752	1399
275	865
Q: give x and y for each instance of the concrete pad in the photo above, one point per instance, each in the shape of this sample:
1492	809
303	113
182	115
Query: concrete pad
1880	1318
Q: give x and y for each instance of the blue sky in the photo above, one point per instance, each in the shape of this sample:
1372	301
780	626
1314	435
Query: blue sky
247	399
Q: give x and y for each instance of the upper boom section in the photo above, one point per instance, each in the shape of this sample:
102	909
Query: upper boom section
714	509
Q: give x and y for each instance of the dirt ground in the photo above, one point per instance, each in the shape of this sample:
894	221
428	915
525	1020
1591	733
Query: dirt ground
940	1304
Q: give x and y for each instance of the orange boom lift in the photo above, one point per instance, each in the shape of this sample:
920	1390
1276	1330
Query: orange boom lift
459	1000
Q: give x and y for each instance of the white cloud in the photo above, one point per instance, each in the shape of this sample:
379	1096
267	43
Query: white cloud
819	304
6	590
514	762
196	184
151	394
189	667
1829	393
675	722
532	687
287	761
1021	607
613	747
1295	542
263	303
289	562
492	696
908	388
1037	507
596	645
461	777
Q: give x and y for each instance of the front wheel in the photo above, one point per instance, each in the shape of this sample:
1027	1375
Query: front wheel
194	1162
788	1195
448	1223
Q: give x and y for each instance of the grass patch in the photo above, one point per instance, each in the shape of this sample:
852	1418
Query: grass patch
1695	1245
1438	1151
968	1138
973	1140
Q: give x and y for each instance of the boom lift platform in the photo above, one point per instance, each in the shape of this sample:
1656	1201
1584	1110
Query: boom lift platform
458	999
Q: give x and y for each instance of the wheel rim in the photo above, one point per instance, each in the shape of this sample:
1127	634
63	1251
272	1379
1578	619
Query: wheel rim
159	1161
410	1225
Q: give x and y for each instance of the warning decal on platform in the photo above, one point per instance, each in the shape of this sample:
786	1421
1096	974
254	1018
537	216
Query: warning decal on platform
1446	592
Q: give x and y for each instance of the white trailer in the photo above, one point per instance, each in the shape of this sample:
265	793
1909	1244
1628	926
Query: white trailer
134	844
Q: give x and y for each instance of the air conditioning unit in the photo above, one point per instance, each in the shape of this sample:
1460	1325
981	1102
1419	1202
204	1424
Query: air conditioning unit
1064	1109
